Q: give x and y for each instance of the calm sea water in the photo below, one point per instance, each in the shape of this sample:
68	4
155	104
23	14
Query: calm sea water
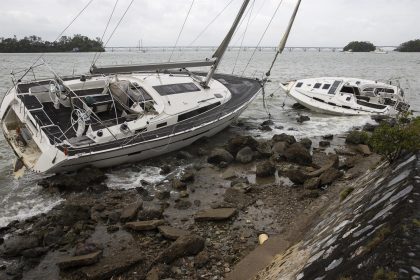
22	198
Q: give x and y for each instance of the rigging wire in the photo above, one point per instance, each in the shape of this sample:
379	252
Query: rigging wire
243	37
115	29
180	32
210	23
252	21
106	29
58	37
262	36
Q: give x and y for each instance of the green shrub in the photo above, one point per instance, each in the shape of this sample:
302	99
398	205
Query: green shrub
390	140
345	193
357	46
381	274
410	46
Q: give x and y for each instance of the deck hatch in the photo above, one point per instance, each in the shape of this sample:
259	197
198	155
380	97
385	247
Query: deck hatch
334	87
176	88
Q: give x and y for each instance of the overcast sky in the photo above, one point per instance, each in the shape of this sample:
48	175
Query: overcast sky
157	22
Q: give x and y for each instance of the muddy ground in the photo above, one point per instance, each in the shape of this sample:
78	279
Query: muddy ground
196	224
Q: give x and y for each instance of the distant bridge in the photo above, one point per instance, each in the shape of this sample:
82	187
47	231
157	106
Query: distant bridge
233	48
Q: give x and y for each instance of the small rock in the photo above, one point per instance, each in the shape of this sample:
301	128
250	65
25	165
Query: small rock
183	194
85	248
223	164
296	175
312	183
184	155
284	138
357	137
279	148
187	176
35	252
219	155
239	180
78	261
242	187
265	128
185	245
298	106
201	259
267	122
112	228
264	148
219	214
302	119
163	194
369	127
150	213
328	137
165	169
297	153
306	142
265	169
171	232
144	225
329	176
130	211
177	184
182	204
363	149
245	155
113	217
324	143
237	143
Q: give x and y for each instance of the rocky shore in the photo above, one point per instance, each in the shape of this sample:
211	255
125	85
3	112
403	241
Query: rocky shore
198	223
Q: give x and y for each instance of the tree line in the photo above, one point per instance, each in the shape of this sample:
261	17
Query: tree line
364	46
34	44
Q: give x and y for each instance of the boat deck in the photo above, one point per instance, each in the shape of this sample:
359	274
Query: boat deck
57	124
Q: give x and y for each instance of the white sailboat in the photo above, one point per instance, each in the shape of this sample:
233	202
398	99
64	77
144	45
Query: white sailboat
122	113
347	96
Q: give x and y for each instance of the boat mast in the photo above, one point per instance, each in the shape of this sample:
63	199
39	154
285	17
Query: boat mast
218	54
285	37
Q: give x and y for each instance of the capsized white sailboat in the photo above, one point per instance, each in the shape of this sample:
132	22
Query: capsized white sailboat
347	96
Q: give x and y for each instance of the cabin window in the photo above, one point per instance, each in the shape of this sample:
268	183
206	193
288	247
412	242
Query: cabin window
317	85
176	88
161	125
299	84
196	112
326	86
346	89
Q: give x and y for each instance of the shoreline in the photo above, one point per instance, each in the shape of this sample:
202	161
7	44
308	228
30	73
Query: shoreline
112	222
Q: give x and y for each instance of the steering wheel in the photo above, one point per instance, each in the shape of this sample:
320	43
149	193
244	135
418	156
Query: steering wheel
54	91
78	120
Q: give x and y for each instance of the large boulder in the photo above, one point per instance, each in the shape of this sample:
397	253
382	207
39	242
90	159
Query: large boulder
186	245
245	155
330	176
219	214
84	179
357	137
312	183
264	148
77	261
284	138
297	153
265	169
237	143
72	213
219	155
306	142
130	211
15	245
279	148
297	176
